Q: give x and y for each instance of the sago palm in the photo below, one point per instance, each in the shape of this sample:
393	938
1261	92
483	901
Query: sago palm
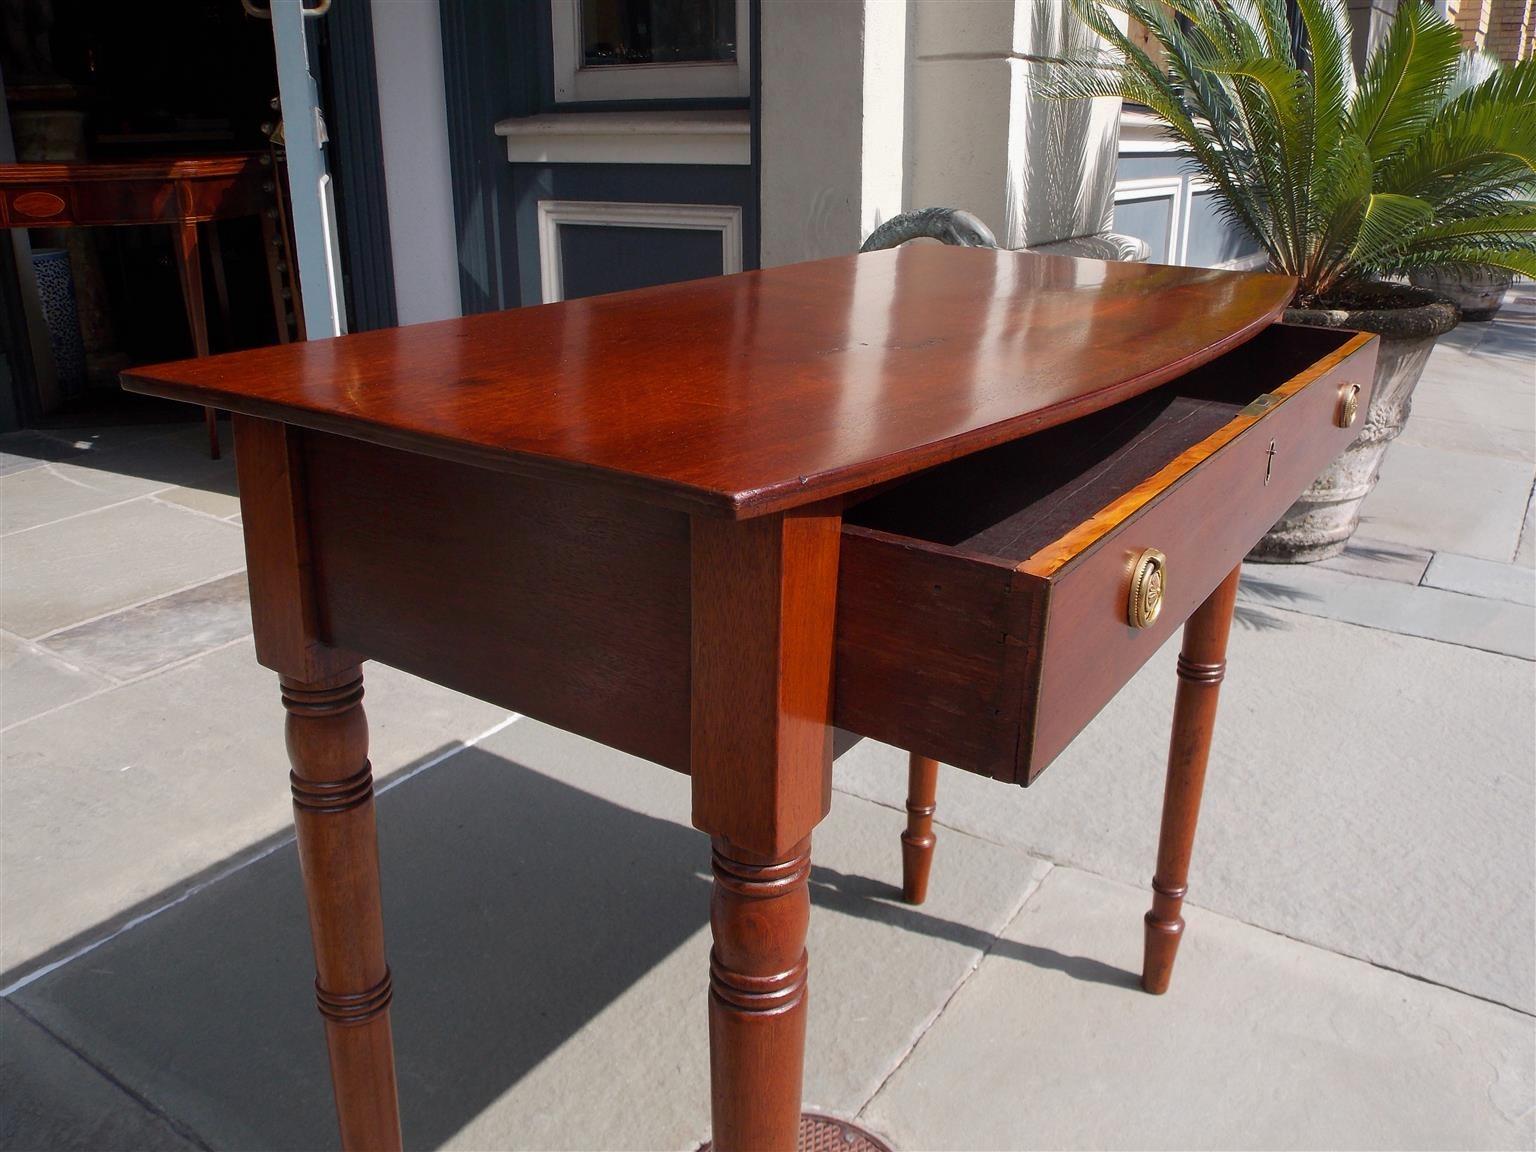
1339	179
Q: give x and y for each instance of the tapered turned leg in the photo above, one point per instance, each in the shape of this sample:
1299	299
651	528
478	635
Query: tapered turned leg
189	266
918	840
338	852
759	912
1202	664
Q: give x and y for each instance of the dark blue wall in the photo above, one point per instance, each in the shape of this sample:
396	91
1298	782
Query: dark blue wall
497	63
672	253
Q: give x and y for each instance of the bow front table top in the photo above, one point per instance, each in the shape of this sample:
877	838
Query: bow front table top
948	498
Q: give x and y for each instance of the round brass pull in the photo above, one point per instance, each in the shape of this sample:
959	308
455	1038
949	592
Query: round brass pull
1349	405
1149	580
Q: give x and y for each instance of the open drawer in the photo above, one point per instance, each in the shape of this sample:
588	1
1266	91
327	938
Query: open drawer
988	608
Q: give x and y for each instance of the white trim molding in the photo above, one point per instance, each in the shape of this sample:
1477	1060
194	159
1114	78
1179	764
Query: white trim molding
686	137
722	218
1171	189
575	83
1143	134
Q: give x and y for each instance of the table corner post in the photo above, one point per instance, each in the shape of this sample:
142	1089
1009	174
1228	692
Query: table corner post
764	598
331	780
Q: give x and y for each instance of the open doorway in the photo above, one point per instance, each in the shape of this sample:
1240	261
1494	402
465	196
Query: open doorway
123	97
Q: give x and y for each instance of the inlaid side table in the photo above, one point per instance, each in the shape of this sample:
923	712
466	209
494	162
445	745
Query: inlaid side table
949	498
181	193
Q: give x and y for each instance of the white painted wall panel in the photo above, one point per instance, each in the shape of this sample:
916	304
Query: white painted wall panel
413	121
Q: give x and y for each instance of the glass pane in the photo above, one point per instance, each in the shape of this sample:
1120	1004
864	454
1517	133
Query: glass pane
657	31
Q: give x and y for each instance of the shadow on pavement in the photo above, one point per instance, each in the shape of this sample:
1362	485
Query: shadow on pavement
517	908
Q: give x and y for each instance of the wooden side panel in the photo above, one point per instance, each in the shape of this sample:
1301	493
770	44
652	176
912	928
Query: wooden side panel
924	651
1204	523
764	597
554	600
278	559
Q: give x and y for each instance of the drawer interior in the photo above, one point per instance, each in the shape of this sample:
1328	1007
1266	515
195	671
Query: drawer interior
1013	500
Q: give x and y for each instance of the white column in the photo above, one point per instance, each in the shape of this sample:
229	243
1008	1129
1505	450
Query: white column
413	124
984	139
833	124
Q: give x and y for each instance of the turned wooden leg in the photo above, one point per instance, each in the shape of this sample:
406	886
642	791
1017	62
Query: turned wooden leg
1202	664
764	604
338	851
759	913
918	840
189	266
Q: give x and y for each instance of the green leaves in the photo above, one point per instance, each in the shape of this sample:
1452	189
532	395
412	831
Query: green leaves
1404	79
1430	158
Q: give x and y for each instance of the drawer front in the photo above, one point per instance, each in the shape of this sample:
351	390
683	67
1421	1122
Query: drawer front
35	206
1203	523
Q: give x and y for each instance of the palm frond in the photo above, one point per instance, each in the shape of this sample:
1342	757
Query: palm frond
1421	160
1405	79
1521	261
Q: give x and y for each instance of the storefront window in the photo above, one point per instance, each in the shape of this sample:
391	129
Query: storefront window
629	32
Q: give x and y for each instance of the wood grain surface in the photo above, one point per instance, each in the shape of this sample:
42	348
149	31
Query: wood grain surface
762	391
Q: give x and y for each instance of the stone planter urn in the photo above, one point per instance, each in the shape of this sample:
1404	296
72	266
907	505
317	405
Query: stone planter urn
1474	288
1408	320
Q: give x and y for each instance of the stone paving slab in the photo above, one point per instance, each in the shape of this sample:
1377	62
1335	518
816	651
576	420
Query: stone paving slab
122	800
1453	617
1370	793
51	492
1260	1042
1453	501
53	1099
138	640
210	502
548	935
33	681
1474	577
1378	559
72	570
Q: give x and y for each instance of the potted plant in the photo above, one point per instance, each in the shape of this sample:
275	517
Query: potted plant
1477	290
1343	182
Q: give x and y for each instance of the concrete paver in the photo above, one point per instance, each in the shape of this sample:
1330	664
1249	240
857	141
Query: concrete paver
53	1099
51	492
547	908
1422	499
1474	577
1260	1042
137	640
1370	793
1378	559
68	571
128	797
1463	617
33	680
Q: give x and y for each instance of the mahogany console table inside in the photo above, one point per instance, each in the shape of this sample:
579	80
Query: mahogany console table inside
181	193
950	498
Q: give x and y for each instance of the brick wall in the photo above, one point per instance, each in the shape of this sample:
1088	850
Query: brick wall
1507	28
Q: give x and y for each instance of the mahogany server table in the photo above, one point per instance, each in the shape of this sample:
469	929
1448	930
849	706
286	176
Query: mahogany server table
948	498
182	193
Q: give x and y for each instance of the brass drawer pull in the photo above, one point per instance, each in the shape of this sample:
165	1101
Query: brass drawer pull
1149	579
1349	405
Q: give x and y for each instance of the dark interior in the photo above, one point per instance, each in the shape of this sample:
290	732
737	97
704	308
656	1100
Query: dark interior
1012	500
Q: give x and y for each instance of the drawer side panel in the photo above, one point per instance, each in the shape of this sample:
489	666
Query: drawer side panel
923	652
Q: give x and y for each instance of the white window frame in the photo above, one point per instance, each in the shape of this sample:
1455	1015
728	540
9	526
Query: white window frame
1171	189
722	218
699	80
